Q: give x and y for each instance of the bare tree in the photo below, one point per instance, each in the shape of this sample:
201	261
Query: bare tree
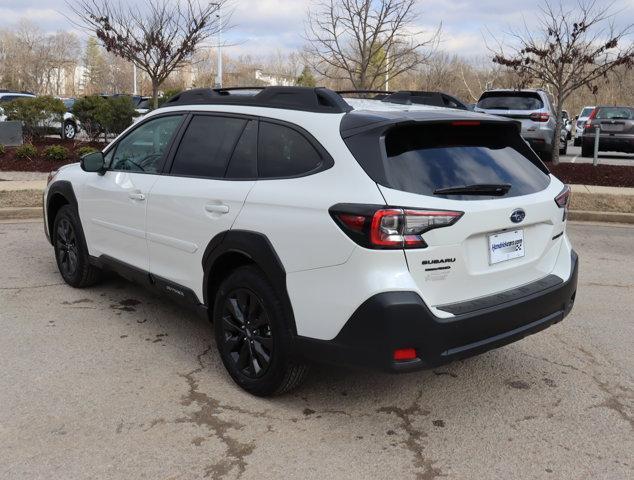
159	36
31	59
568	49
366	42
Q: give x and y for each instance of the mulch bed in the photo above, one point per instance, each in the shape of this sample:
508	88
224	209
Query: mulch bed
578	173
588	174
8	161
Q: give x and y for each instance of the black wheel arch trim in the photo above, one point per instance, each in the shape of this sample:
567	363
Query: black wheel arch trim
259	250
63	189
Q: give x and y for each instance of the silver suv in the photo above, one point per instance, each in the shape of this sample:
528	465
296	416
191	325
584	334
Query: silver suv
533	108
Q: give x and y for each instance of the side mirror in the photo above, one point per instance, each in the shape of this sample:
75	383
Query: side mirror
92	162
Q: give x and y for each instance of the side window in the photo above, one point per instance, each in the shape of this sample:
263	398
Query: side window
284	152
244	161
143	149
207	145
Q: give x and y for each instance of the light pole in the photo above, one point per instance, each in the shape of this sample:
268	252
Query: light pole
219	47
134	78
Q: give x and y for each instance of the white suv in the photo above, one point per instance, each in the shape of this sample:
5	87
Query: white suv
392	236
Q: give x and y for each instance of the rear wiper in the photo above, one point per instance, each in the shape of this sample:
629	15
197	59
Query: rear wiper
495	189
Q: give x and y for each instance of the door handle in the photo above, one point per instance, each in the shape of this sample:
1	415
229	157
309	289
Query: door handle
137	196
217	208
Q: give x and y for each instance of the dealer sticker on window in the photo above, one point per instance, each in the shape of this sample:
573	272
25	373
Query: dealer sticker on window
506	246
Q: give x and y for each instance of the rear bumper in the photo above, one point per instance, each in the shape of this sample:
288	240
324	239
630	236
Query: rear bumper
542	143
611	143
396	320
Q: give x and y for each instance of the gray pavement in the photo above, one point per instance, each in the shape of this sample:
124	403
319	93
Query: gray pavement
605	158
115	383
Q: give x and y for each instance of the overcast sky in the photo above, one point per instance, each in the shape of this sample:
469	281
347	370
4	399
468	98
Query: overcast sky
266	26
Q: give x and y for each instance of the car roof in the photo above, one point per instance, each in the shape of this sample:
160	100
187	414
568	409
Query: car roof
349	115
515	90
373	116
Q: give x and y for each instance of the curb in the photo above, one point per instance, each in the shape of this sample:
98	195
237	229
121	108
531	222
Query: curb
610	217
20	213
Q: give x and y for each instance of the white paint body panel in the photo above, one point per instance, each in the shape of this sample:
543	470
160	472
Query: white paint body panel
328	275
181	222
114	223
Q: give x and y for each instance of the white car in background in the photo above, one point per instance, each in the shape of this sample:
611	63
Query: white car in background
581	120
67	130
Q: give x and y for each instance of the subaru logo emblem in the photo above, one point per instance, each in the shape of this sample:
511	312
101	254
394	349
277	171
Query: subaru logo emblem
518	215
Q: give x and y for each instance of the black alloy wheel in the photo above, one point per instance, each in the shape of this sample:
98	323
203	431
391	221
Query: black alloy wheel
71	253
247	333
67	250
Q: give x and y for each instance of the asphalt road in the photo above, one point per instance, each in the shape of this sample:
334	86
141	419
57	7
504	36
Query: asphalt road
113	382
605	158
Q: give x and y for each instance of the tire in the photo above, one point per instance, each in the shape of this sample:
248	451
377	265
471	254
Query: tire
577	142
254	335
71	252
69	131
587	150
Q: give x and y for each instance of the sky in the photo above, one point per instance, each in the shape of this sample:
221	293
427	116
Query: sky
262	27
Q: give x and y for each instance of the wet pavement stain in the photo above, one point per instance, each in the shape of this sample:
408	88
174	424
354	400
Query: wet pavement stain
207	416
75	302
126	305
413	442
518	384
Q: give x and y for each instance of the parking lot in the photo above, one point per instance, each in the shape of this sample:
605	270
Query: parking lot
573	155
113	382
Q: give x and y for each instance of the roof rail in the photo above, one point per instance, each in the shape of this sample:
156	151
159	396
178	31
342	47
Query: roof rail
319	100
378	94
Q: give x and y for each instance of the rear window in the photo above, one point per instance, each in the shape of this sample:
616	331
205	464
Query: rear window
585	113
284	152
615	113
424	158
510	101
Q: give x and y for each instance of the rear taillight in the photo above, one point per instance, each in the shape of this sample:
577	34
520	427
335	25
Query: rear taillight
590	118
539	117
373	226
563	200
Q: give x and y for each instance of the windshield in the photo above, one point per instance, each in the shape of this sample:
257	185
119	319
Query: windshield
510	101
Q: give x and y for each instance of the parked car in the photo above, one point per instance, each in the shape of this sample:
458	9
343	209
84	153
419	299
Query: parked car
580	122
616	130
312	228
141	104
533	108
67	128
567	124
408	97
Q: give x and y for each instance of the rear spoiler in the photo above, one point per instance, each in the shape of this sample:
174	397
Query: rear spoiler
357	122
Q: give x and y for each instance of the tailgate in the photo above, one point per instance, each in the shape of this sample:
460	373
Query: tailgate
457	264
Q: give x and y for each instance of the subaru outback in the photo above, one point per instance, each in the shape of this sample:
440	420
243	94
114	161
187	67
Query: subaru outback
311	228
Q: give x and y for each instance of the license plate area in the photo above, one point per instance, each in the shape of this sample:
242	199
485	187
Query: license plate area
616	127
507	245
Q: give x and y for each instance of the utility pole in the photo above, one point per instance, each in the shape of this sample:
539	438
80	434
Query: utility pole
218	83
387	71
134	89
